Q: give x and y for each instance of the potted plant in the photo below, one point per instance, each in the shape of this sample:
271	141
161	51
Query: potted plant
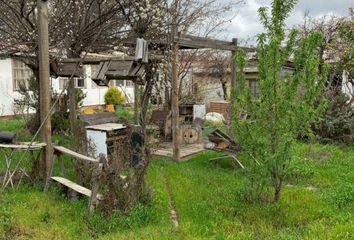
113	97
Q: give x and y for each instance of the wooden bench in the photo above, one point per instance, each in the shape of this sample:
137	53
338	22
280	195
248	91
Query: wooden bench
98	163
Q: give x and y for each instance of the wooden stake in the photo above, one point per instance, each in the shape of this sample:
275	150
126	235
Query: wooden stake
136	103
72	106
233	76
95	182
45	97
174	95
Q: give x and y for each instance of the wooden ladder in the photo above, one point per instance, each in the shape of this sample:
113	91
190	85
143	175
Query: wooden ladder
98	163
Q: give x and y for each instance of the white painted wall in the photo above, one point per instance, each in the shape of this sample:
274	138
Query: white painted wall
7	95
94	93
98	139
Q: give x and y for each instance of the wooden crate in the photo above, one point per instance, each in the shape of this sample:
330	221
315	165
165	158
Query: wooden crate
222	107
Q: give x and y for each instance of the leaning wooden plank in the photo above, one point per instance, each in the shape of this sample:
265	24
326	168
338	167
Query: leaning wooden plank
74	154
76	187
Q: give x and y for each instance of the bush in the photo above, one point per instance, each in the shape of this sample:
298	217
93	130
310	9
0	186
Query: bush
337	123
114	96
29	99
60	118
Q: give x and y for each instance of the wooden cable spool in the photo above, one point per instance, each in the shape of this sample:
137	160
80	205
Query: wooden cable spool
191	135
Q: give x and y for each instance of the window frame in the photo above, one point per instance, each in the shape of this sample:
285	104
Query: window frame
15	79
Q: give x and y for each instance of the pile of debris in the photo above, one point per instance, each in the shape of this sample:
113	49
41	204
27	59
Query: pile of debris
222	142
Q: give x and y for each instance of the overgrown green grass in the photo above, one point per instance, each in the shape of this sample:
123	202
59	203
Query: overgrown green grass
317	203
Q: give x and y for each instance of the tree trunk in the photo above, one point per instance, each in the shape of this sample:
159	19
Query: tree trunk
277	184
224	88
72	107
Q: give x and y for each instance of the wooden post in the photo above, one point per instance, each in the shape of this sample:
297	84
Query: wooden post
174	95
72	106
233	76
45	97
166	95
95	182
136	103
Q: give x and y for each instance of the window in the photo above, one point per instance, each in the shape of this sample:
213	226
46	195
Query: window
129	83
21	74
121	83
79	83
116	83
254	87
62	82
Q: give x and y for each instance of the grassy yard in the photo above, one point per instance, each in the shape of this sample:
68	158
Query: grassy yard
317	203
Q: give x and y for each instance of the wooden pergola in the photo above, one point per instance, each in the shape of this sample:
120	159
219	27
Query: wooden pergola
193	42
178	42
126	68
118	68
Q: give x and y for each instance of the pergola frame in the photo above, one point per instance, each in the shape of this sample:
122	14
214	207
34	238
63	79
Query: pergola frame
181	42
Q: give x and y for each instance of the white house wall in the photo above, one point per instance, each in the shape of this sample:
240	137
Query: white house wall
94	94
7	95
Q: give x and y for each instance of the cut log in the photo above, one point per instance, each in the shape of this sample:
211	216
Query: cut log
76	187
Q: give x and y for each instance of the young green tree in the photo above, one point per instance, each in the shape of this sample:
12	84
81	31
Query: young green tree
267	126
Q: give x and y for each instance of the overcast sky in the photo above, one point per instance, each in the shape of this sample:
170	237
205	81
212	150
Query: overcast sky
246	24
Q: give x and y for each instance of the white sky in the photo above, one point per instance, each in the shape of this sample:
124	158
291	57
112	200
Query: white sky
246	24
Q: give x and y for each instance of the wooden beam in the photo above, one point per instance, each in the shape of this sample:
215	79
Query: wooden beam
45	96
72	106
233	75
175	90
95	60
75	155
193	42
136	104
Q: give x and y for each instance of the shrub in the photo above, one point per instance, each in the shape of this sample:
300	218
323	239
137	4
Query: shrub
60	118
114	96
337	123
29	99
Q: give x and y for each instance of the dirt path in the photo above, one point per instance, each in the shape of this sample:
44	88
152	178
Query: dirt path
173	211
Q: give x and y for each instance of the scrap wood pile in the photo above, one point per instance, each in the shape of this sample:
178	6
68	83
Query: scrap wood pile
222	142
124	171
